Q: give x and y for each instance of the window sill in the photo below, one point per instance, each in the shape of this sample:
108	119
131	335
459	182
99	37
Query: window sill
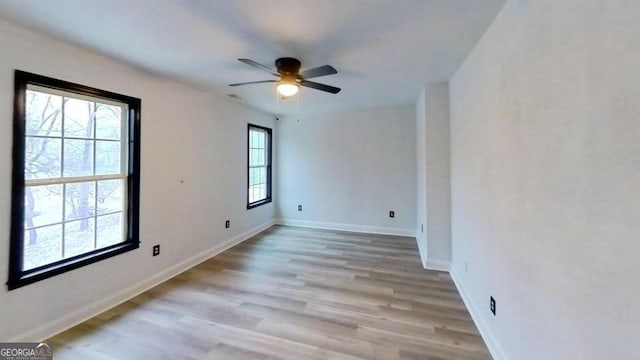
34	275
258	203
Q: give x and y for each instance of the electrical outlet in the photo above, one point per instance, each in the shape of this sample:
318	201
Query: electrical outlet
156	250
299	207
227	224
392	214
422	227
466	266
492	305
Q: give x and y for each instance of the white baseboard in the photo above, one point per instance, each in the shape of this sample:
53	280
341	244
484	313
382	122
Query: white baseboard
65	322
347	227
427	263
494	348
422	250
437	265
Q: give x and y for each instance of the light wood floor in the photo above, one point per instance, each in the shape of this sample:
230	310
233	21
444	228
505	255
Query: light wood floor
290	293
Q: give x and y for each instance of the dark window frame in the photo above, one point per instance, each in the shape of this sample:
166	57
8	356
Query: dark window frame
19	277
251	205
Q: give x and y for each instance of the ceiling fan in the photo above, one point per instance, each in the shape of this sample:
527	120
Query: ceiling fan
290	76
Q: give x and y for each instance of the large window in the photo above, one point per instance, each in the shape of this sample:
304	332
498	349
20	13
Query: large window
259	166
75	177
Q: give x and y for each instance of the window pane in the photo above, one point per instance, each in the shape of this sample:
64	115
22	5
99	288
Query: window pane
107	157
261	139
42	205
262	192
42	246
42	158
253	139
109	230
254	176
78	237
252	194
262	175
78	157
259	157
78	118
257	193
44	114
108	121
80	200
110	196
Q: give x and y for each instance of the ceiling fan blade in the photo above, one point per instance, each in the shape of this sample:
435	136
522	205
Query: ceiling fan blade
259	66
321	87
318	71
253	82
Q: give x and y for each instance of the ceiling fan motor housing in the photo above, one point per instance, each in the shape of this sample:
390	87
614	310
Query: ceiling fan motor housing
288	67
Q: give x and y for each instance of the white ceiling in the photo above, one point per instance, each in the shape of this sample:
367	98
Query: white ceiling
385	51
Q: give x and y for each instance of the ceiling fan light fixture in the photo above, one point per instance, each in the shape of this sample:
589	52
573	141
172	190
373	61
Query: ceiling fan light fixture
287	89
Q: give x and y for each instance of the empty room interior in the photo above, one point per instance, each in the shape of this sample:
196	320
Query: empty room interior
357	179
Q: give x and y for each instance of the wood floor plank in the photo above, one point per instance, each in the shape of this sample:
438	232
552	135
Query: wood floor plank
290	293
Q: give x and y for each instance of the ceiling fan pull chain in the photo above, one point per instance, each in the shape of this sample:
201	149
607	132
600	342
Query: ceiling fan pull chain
298	105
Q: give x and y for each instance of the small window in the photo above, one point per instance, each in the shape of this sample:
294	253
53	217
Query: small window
259	173
75	194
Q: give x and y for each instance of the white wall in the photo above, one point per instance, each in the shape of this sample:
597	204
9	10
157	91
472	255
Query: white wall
348	170
545	138
187	135
434	195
